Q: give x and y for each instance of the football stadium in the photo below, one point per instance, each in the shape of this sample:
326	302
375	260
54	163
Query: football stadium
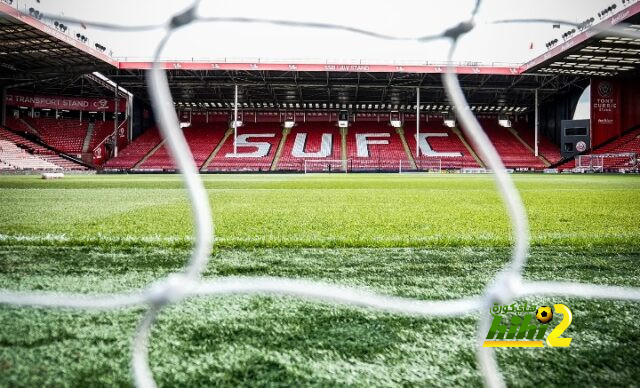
204	194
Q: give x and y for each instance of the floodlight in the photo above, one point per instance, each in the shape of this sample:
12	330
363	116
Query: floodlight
504	123
343	119
448	122
394	118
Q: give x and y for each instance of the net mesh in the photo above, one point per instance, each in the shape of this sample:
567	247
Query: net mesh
625	161
328	165
506	286
428	164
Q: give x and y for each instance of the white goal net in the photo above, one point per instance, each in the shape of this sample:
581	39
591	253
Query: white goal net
419	165
153	298
616	162
325	165
429	164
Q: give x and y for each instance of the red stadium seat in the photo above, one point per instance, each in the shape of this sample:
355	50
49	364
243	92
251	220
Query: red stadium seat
40	152
101	130
383	147
268	135
66	135
546	148
135	151
312	134
449	144
202	140
512	152
627	143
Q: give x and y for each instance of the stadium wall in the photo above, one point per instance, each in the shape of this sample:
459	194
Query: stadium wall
606	110
614	108
630	105
562	107
139	122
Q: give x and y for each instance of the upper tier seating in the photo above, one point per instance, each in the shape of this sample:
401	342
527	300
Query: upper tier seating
135	151
449	144
512	152
202	140
387	155
312	133
66	135
546	148
18	158
269	135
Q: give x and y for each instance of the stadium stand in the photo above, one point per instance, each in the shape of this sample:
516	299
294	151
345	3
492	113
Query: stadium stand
5	166
101	130
312	133
202	140
546	148
376	153
40	151
20	126
16	157
268	134
627	143
133	153
65	135
386	155
450	143
513	153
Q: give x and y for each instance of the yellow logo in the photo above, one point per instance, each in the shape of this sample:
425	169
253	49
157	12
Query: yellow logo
523	332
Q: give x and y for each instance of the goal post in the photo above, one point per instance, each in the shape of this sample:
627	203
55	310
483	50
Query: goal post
624	161
325	165
429	164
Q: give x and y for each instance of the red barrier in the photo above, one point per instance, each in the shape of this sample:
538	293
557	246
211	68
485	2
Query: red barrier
100	154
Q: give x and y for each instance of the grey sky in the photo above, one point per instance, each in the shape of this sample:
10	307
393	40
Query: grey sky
487	43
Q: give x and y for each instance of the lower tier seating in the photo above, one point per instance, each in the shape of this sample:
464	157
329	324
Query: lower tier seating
313	142
546	148
202	140
438	142
101	130
371	146
14	157
256	148
627	143
375	146
512	152
40	151
19	125
130	155
66	135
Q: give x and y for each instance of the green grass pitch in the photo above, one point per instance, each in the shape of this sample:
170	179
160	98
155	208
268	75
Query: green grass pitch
421	236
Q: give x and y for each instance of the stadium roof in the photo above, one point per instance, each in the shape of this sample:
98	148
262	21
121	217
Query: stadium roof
34	51
595	53
29	47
